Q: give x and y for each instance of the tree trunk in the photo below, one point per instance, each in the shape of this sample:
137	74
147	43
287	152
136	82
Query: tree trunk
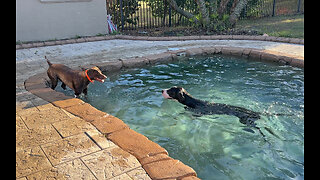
213	6
234	4
237	10
222	7
188	15
204	13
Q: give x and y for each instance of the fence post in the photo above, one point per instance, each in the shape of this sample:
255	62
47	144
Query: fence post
121	12
164	13
299	3
273	7
169	16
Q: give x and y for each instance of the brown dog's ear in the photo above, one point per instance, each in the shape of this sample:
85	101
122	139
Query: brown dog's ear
97	69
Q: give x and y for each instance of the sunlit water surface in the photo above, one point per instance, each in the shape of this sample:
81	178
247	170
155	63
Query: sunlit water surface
215	146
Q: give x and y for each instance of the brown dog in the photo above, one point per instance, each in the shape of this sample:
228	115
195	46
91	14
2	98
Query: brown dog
74	79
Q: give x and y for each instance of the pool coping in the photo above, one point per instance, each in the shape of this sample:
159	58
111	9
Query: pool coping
153	158
25	45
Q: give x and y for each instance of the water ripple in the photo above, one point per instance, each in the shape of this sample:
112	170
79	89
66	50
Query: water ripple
215	145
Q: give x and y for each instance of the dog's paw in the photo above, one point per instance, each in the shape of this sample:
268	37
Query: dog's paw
248	130
48	83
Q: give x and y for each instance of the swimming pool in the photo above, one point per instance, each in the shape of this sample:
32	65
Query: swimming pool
215	146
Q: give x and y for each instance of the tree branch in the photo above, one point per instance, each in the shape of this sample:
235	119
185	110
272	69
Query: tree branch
222	7
204	12
186	14
237	10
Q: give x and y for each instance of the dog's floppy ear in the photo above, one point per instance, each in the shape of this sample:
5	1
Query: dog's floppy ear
96	68
180	95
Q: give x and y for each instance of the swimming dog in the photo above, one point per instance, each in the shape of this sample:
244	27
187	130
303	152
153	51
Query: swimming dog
201	107
77	80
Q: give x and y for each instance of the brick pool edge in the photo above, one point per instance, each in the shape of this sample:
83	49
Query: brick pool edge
153	158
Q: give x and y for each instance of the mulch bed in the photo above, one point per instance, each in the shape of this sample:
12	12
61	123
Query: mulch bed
186	31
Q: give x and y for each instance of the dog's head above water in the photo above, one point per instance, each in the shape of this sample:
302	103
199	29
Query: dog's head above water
182	96
175	92
95	73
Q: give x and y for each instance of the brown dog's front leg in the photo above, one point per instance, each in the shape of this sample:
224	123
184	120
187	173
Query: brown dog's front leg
85	91
77	92
76	95
63	85
54	83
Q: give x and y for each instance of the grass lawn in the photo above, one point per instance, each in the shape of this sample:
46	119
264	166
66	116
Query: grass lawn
281	26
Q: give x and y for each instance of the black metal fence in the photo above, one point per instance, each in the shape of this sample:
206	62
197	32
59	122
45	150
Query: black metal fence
146	14
264	8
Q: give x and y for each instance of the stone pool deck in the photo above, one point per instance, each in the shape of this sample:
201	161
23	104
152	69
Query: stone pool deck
63	137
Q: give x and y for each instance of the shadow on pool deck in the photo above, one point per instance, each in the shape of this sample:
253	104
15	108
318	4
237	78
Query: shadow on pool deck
60	136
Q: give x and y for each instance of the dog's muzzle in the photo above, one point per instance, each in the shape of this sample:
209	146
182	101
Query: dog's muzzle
165	94
101	78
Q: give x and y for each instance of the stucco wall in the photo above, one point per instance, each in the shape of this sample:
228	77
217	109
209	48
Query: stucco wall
38	20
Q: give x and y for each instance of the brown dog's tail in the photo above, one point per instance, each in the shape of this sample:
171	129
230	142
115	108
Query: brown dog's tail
48	61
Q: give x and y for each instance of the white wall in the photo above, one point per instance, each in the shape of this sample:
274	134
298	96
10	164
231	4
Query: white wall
38	20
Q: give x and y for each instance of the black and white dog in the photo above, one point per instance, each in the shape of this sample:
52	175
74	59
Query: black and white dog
201	107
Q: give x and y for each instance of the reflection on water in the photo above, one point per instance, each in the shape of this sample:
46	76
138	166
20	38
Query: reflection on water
216	146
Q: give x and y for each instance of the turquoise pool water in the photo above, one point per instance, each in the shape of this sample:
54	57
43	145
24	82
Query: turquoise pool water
215	146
